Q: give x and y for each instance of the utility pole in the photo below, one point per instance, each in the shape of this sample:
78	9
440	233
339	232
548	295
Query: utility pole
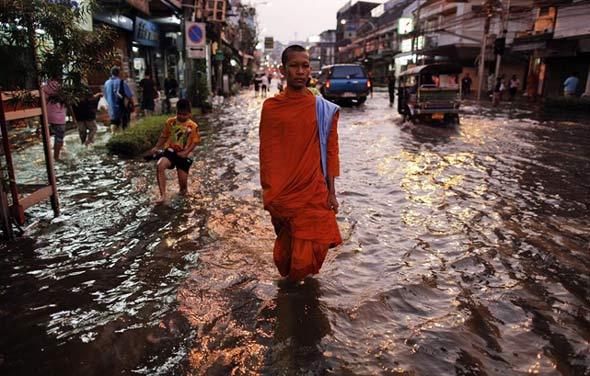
504	25
488	7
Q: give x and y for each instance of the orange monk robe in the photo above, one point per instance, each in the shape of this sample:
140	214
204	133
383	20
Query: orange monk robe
293	186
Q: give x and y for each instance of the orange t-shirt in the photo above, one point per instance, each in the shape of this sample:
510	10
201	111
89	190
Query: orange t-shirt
179	134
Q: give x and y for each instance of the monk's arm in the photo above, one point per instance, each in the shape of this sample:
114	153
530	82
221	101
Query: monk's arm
333	163
265	156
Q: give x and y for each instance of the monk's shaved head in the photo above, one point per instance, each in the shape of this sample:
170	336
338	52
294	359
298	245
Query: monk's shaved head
288	50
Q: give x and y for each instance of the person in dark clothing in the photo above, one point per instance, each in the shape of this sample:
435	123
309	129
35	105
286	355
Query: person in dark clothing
466	85
149	93
85	115
171	91
499	88
391	88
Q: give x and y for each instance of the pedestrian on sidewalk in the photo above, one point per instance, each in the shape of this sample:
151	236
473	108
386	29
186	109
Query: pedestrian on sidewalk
466	85
85	115
257	81
570	85
119	98
490	86
178	139
171	91
391	88
264	84
514	85
56	114
298	164
499	88
148	94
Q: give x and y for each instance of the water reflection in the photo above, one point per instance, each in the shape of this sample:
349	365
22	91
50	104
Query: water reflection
300	326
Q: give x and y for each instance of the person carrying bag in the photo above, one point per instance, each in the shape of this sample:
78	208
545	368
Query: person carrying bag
125	105
119	99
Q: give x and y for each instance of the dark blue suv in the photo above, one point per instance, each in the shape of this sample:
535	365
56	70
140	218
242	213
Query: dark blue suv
344	83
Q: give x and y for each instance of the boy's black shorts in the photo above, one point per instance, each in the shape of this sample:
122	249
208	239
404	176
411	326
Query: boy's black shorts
183	164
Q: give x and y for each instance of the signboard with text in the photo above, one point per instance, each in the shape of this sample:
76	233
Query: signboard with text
146	33
269	43
195	40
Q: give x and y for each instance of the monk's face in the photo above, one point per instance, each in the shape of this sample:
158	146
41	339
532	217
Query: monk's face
297	70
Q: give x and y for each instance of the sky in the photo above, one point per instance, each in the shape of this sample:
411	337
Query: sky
290	20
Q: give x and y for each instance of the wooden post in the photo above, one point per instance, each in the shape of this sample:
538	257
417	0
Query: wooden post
4	208
45	124
48	155
8	156
482	57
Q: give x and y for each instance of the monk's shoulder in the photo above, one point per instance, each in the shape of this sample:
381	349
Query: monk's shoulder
271	104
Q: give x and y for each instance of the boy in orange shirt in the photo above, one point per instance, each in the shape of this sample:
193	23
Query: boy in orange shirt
179	138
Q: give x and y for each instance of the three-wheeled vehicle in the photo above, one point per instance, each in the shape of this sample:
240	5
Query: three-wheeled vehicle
430	93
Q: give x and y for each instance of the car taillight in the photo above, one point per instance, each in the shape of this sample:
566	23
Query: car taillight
368	83
328	84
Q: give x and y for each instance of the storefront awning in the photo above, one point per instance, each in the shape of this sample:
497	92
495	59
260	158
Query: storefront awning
453	52
530	46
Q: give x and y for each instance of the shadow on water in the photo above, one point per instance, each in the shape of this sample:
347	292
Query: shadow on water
434	133
300	326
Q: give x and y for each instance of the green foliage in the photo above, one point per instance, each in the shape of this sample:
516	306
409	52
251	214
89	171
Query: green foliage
63	49
567	103
139	138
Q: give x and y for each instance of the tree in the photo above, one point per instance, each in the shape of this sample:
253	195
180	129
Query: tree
43	39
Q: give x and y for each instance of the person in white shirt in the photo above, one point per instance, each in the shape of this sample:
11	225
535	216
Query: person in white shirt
513	86
264	85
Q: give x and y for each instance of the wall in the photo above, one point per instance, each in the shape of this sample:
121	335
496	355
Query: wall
558	69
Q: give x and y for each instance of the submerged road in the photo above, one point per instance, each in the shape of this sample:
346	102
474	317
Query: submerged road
466	252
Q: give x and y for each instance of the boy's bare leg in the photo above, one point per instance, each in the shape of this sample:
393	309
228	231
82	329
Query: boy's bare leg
163	164
182	181
57	146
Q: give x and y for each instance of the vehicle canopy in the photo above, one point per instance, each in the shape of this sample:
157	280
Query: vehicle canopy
433	69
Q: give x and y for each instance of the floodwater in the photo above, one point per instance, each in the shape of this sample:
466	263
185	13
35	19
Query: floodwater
466	252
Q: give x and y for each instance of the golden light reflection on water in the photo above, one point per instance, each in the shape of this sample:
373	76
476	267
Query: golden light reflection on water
429	181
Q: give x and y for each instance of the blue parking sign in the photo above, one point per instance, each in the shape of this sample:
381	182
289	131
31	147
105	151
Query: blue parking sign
195	34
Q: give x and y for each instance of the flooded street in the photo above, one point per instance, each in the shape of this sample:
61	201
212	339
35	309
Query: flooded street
466	252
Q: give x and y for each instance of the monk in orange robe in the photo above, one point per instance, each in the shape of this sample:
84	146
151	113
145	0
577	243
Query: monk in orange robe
300	199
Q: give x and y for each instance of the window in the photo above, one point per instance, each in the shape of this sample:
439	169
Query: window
348	71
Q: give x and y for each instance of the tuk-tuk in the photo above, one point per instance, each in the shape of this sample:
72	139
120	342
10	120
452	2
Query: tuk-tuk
430	93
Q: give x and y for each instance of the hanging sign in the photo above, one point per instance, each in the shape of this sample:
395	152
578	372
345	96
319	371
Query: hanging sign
195	40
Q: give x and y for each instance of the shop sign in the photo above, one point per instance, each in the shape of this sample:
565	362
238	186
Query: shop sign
269	43
116	20
195	40
142	5
146	33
